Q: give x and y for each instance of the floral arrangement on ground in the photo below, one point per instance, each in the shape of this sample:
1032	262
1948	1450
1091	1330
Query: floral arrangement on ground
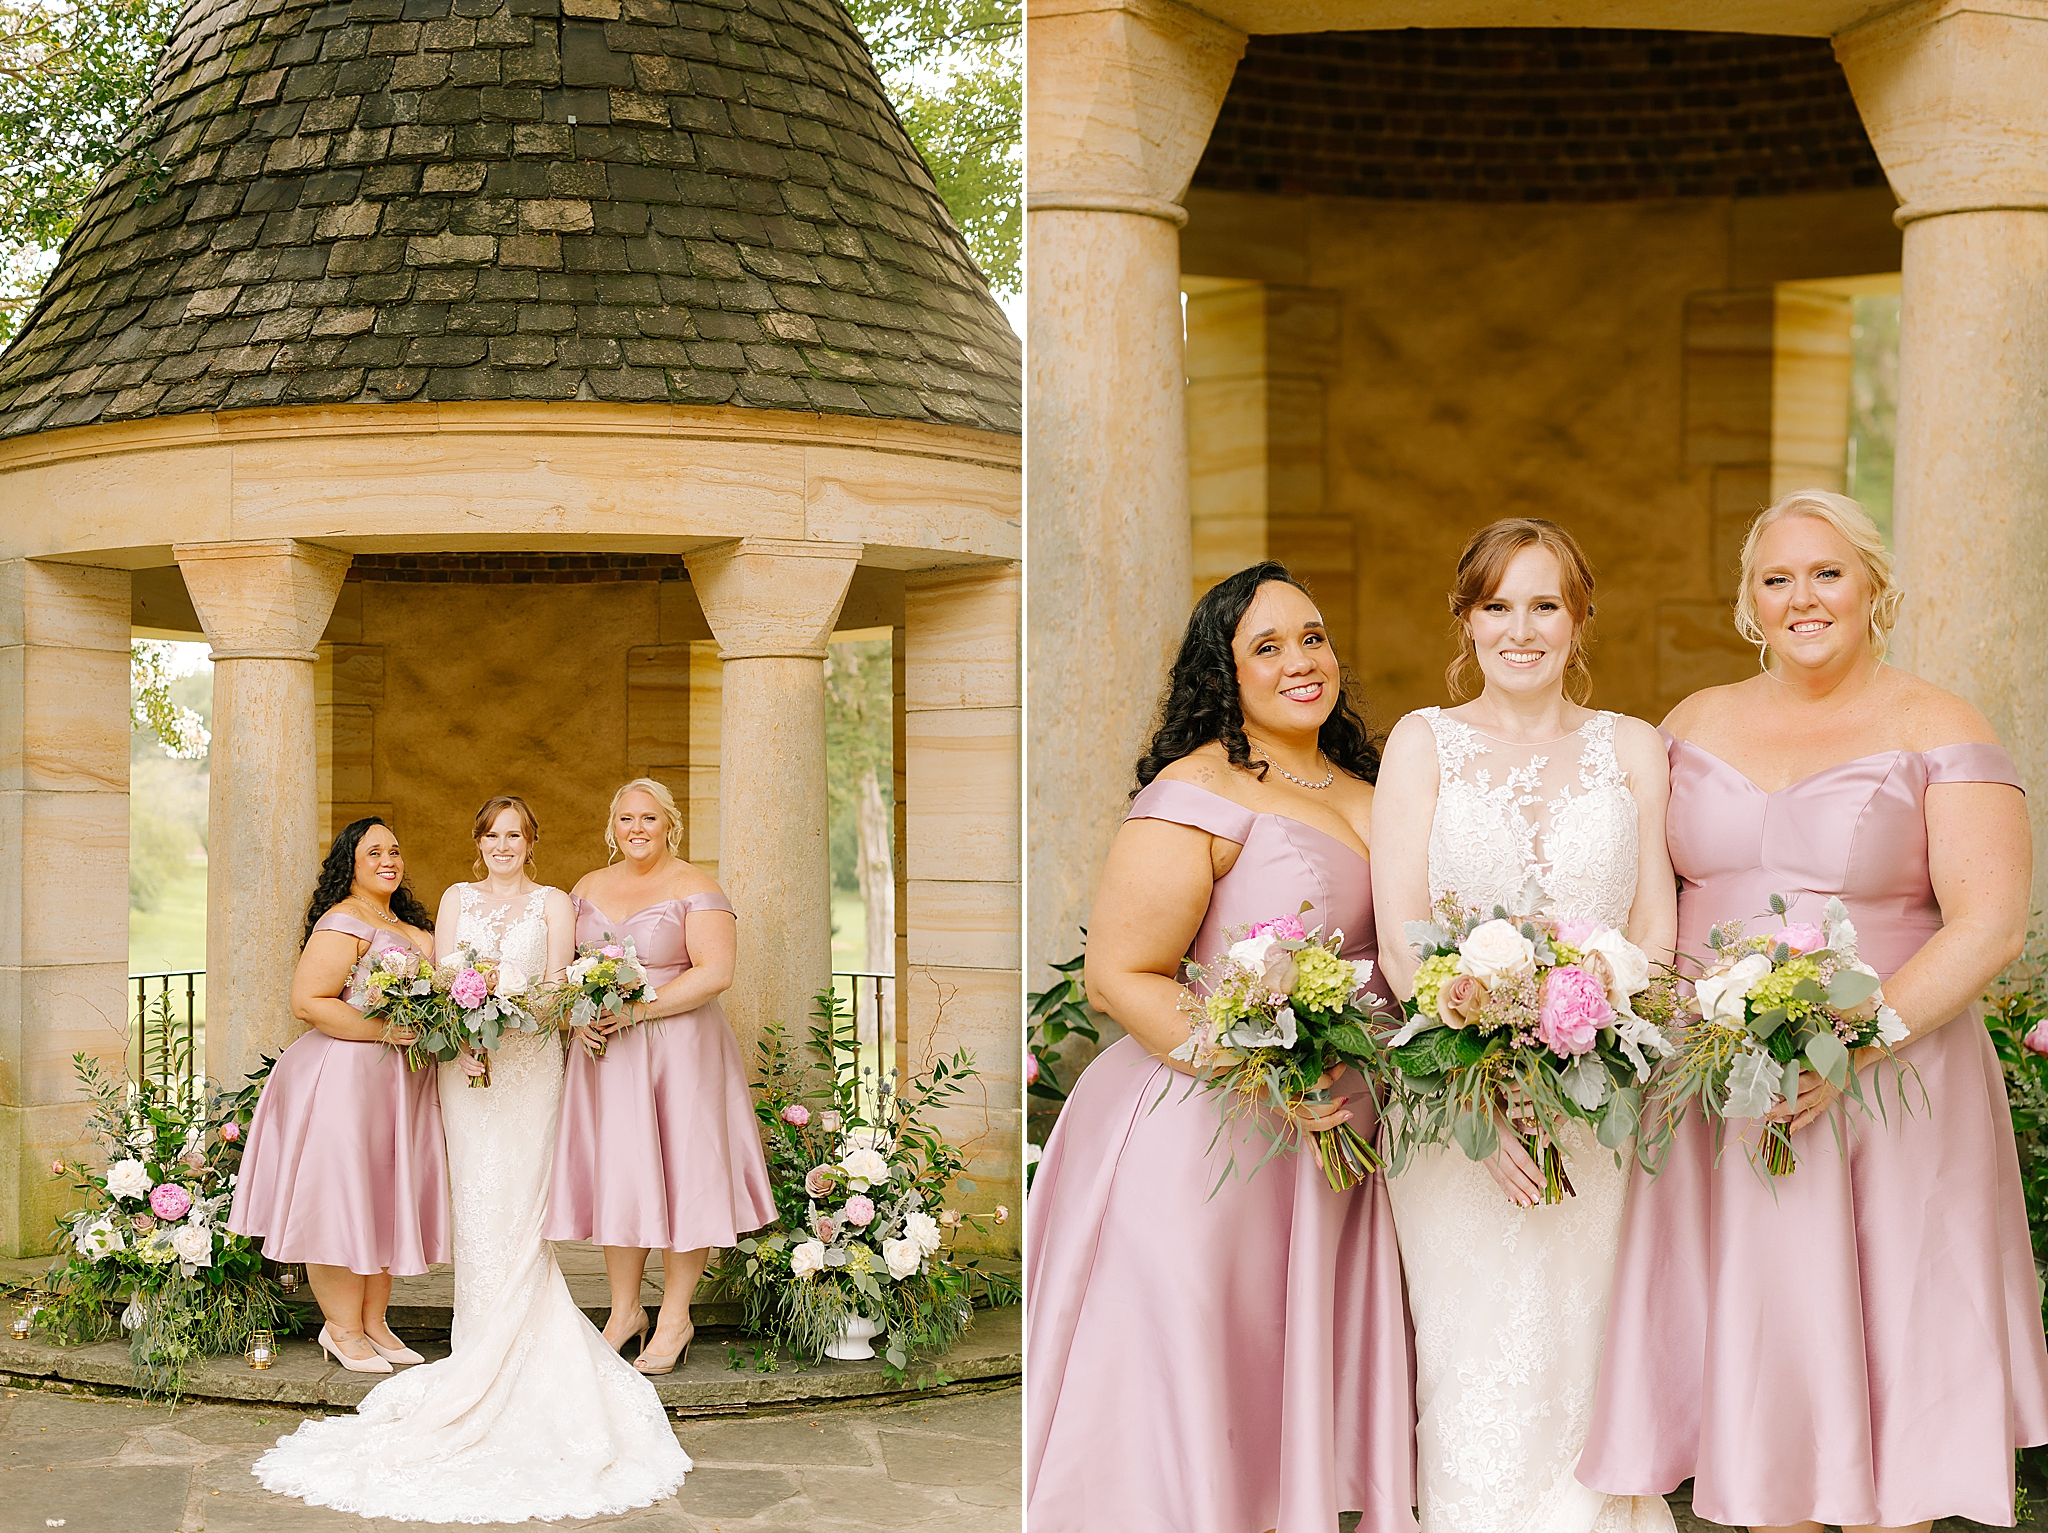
862	1233
152	1229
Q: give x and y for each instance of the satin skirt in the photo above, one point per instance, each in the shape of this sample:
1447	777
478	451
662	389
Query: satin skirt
1199	1364
1859	1342
345	1164
659	1148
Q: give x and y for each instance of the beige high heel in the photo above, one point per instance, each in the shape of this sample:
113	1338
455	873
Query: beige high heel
641	1363
640	1335
398	1354
352	1364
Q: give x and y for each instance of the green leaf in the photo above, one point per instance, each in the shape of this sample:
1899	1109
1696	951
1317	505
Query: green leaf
1789	1087
1851	987
1810	991
1765	1023
1476	1135
1829	1057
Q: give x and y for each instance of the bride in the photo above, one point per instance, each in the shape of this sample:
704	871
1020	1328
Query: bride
533	1414
1522	798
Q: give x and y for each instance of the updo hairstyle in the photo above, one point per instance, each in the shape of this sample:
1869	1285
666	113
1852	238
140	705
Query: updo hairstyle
1858	531
661	796
1484	565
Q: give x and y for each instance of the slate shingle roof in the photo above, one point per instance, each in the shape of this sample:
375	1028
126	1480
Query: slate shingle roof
699	201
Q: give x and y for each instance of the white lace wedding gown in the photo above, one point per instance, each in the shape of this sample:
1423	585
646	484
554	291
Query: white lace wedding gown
532	1415
1509	1303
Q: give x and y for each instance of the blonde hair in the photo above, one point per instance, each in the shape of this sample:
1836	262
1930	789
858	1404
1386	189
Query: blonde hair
487	816
662	797
1484	565
1858	531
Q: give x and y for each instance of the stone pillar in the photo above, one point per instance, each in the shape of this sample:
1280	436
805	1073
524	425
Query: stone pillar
1951	94
772	604
264	606
1123	94
63	870
962	721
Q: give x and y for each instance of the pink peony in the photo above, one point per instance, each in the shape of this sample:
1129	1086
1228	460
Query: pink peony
1286	928
796	1114
1030	1069
170	1201
470	989
1574	1010
1573	932
818	1181
231	1132
859	1210
1803	938
2037	1040
612	950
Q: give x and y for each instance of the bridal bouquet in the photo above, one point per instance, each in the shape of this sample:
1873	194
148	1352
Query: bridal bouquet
485	998
1528	1021
1768	1006
605	979
1276	1011
406	993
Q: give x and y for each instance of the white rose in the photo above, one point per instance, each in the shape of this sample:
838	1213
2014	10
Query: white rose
923	1229
807	1258
128	1179
512	979
1629	965
864	1167
866	1139
194	1245
904	1257
1721	995
1251	953
99	1238
1497	950
579	971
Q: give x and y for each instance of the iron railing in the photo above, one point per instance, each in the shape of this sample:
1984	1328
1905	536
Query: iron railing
871	1001
163	1028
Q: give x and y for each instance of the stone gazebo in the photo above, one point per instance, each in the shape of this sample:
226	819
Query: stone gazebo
517	394
1341	296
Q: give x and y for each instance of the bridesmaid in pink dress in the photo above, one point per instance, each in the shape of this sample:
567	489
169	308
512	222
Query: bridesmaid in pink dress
658	1148
1234	1362
1858	1343
345	1169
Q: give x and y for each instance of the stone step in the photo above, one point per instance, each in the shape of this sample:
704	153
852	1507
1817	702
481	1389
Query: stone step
726	1374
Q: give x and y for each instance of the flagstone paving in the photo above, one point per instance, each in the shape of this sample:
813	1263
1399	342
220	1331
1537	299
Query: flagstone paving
112	1465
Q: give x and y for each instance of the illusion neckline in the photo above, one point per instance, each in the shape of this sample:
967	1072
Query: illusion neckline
1797	782
1532	745
1270	814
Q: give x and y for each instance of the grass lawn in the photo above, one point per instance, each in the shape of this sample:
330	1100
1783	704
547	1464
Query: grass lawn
172	936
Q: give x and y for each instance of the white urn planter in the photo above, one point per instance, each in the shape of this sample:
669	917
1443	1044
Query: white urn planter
851	1345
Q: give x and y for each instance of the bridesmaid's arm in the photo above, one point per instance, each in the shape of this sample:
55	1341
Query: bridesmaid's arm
561	918
1154	891
447	920
1980	860
1403	810
1653	917
317	984
712	937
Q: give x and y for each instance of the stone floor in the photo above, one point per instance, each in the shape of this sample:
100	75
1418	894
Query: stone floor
110	1465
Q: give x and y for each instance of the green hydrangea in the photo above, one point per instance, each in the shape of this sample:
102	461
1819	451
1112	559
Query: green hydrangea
1438	970
1326	981
1775	988
1565	953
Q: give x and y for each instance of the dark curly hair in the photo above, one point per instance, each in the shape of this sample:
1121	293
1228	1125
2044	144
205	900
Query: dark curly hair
338	876
1201	702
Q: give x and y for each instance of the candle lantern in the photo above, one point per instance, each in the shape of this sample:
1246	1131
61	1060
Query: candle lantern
288	1279
24	1321
261	1350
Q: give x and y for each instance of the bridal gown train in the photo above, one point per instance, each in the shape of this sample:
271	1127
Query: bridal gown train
1509	1303
532	1415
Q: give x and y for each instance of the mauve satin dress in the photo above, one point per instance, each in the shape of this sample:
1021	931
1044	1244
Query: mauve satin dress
1225	1364
659	1148
1859	1342
345	1164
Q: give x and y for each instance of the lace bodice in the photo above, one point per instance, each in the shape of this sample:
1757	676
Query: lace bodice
511	931
1559	813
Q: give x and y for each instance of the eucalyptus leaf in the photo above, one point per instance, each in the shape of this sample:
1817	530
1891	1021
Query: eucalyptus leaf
1810	991
1789	1088
1851	987
1829	1057
1475	1135
1764	1023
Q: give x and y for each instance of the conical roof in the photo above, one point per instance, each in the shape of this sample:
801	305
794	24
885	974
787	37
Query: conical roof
628	200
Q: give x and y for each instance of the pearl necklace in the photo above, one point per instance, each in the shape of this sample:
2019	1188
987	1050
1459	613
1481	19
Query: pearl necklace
1316	786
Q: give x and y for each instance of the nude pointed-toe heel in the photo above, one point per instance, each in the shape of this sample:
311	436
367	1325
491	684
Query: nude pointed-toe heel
352	1364
398	1354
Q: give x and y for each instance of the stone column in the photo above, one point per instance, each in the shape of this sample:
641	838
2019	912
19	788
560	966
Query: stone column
1123	94
264	606
63	870
772	604
1951	94
962	721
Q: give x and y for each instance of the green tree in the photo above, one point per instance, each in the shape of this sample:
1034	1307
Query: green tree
860	772
72	77
955	70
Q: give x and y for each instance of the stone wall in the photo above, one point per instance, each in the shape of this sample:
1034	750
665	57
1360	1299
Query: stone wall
1427	367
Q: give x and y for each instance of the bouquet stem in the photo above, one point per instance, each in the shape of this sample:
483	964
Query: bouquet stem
1778	1157
1557	1183
1347	1157
483	1058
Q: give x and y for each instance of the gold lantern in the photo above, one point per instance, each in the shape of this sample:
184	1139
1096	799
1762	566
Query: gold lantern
24	1321
261	1350
288	1279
